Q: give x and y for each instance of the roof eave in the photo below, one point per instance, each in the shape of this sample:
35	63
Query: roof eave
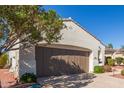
70	19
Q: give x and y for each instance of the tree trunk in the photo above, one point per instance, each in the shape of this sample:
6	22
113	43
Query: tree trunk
0	84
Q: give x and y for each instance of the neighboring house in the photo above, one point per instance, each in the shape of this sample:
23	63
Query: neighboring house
109	52
119	53
113	53
77	52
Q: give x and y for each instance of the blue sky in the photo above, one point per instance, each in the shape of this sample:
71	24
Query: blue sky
105	22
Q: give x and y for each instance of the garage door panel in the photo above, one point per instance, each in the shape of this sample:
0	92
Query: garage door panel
61	61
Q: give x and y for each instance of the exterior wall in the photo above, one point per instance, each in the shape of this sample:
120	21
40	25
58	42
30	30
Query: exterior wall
22	61
118	55
114	55
27	63
110	55
13	59
75	35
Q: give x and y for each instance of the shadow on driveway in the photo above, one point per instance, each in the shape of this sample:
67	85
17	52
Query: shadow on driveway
68	81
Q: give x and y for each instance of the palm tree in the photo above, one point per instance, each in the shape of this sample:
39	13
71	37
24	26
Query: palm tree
122	47
110	45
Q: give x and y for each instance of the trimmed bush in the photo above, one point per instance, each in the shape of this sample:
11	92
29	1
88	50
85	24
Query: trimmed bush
122	72
106	60
107	68
123	61
3	60
99	69
110	62
28	78
119	60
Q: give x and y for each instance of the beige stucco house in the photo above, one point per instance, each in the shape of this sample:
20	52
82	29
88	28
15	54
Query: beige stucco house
77	45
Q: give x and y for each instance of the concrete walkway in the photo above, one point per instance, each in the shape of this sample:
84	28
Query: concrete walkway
106	81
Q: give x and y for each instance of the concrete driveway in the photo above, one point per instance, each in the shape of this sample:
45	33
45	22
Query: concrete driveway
106	81
83	81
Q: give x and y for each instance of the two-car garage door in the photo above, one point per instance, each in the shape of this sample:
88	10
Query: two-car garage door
56	60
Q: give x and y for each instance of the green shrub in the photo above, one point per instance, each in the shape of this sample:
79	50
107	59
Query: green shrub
123	61
106	60
122	72
99	69
111	62
107	68
28	78
3	60
119	60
